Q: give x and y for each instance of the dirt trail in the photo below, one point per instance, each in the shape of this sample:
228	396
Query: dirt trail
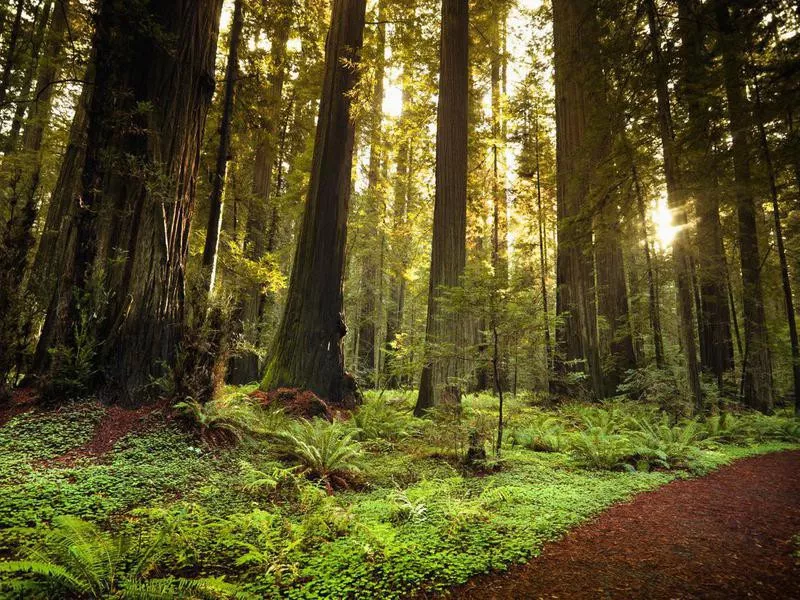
725	536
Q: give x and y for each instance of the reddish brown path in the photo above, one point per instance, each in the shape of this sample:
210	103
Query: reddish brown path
725	536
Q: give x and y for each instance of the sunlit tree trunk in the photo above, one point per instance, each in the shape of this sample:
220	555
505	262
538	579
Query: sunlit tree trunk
448	256
757	366
676	197
307	350
261	223
210	250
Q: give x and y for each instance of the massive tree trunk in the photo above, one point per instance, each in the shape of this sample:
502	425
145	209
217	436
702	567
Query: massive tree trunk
448	256
245	367
757	366
307	350
716	344
543	268
152	90
24	170
215	201
676	198
579	149
372	277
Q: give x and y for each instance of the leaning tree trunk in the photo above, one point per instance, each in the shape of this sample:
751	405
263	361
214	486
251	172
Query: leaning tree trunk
307	350
448	256
152	90
579	149
757	366
244	368
210	250
716	343
676	198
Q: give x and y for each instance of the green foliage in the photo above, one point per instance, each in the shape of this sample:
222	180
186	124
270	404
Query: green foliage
323	450
232	418
376	419
543	433
79	560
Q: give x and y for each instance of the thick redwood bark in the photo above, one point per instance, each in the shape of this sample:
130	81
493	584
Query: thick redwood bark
307	350
152	90
757	366
579	149
716	343
215	201
448	256
676	197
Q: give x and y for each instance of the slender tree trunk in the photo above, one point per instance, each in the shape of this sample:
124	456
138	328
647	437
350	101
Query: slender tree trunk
245	368
787	284
676	195
9	62
579	149
654	310
307	351
543	269
716	344
757	370
26	89
148	106
371	275
210	250
448	256
18	238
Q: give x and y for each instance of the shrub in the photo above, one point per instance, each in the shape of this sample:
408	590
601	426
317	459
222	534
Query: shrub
658	443
323	450
545	433
78	560
595	448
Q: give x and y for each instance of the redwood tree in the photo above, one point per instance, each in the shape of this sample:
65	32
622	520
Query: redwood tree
307	350
448	256
123	282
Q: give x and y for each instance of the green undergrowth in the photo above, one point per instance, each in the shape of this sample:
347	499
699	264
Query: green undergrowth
377	506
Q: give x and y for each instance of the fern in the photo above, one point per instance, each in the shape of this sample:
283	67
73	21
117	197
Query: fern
228	420
323	450
78	560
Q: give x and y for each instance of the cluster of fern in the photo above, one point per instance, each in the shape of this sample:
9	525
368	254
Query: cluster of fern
642	438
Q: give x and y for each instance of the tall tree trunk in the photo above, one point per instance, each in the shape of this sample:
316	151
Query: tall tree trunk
245	368
372	277
25	174
41	19
448	256
676	197
654	308
543	269
787	284
9	61
579	149
215	201
397	283
757	366
716	344
307	350
152	90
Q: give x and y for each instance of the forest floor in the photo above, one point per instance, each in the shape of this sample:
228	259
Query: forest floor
728	535
411	520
